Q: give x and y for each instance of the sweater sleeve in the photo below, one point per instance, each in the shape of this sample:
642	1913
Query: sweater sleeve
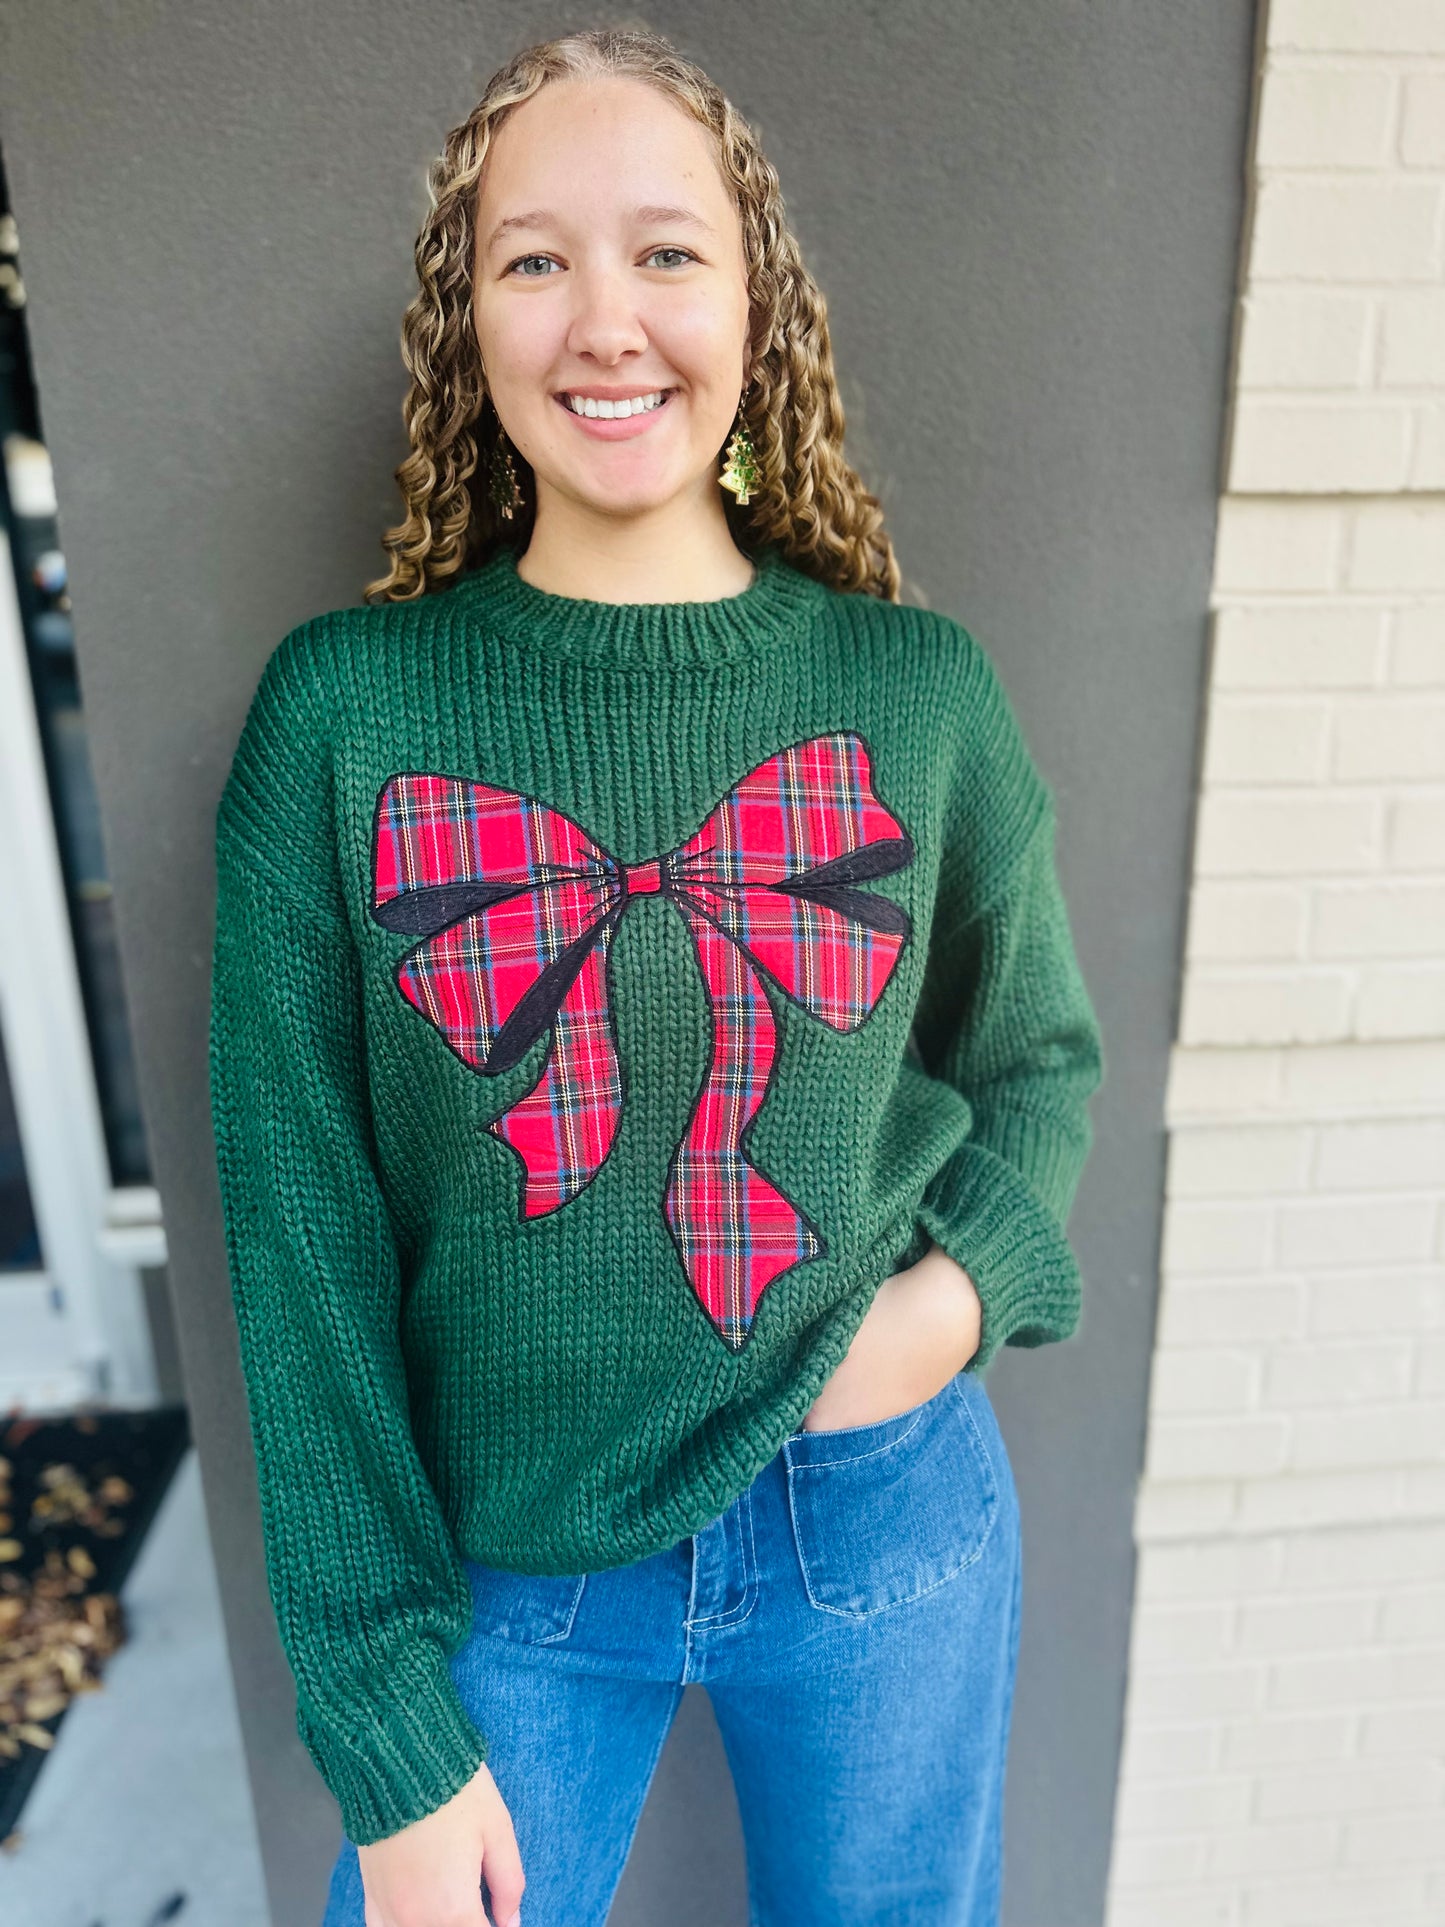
1006	1019
371	1597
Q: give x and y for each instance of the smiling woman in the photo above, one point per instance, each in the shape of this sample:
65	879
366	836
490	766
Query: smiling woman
666	1091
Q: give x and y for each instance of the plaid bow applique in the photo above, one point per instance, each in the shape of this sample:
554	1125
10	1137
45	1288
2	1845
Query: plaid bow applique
516	905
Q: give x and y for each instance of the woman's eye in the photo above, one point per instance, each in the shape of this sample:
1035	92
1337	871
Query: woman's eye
523	265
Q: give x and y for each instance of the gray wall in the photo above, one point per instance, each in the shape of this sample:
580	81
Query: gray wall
1026	219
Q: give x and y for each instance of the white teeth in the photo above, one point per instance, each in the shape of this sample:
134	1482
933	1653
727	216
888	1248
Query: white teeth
611	410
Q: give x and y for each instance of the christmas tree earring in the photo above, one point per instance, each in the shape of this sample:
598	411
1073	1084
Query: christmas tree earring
502	484
740	472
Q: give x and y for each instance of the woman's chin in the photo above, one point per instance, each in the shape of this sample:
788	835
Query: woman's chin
625	496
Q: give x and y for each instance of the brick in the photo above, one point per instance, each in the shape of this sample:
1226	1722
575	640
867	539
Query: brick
1430	1368
1412	340
1418	1730
1245	922
1416	1616
1323	117
1221	1569
1280	740
1182	1508
1417	646
1328	1233
1346	1679
1374	1304
1356	26
1171	1635
1402	918
1423	1491
1395	1840
1217	1237
1300	1006
1387	1154
1206	1085
1401	1003
1184	1806
1298	1501
1379	1079
1396	545
1276	546
1389	739
1306	1739
1339	1900
1194	1692
1368	1435
1344	230
1264	1160
1270	1628
1166	1752
1427	460
1422	121
1316	647
1181	1906
1193	1381
1222	1448
1368	1557
1318	448
1335	1375
1148	1862
1415	835
1316	833
1195	1313
1297	1847
1302	338
1347	1790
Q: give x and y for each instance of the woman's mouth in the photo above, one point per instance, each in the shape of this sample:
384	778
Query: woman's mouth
615	418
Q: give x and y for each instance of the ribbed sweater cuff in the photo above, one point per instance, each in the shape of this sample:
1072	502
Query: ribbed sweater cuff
403	1755
995	1223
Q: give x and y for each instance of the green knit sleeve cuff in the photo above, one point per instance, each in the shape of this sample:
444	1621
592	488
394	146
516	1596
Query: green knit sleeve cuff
988	1218
400	1756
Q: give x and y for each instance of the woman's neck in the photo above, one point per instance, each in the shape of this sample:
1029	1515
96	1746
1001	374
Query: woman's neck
685	555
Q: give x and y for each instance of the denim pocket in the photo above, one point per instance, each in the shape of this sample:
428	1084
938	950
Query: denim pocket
536	1609
884	1513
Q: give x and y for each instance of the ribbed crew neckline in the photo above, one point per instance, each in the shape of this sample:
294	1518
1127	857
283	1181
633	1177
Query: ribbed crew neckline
775	609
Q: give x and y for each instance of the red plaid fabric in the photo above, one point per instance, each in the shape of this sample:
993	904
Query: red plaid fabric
516	904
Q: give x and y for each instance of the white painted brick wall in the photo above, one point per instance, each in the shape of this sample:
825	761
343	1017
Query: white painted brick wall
1341	372
1284	1757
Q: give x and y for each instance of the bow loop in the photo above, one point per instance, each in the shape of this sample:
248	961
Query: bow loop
775	866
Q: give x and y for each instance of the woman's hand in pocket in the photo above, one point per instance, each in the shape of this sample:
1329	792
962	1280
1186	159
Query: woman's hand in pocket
923	1326
430	1874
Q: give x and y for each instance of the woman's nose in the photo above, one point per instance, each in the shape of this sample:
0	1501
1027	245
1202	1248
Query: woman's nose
606	322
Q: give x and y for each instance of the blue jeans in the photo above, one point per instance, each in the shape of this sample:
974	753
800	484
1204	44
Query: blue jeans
854	1618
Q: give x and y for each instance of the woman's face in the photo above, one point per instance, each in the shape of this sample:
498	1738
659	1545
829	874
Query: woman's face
609	264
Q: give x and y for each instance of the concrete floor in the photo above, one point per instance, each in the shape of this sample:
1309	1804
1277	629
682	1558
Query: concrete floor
145	1794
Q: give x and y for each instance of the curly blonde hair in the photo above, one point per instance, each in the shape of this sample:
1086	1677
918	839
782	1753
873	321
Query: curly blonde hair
810	501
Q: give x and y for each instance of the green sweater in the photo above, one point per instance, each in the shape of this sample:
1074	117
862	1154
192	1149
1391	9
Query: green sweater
606	998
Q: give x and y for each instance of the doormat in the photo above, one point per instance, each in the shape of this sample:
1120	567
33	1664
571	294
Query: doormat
77	1497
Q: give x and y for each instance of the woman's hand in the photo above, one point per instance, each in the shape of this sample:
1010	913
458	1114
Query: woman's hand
430	1874
923	1325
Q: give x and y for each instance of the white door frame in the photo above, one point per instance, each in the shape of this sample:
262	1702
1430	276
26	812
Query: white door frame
76	1330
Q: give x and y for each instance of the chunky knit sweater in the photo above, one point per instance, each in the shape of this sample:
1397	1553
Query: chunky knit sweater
606	998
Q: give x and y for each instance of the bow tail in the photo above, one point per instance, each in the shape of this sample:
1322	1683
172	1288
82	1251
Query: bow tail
734	1229
563	1128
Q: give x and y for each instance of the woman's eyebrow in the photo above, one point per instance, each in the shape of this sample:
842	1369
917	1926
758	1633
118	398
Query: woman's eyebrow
541	218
